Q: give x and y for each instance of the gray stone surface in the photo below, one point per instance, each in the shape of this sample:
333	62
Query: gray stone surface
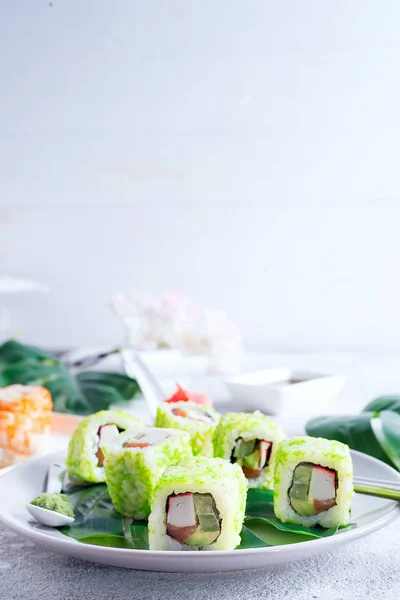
369	568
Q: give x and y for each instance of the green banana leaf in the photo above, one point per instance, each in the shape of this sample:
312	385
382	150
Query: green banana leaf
251	540
311	532
384	403
82	393
97	523
386	426
374	433
260	503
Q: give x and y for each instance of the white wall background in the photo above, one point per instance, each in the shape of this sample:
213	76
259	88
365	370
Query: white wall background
246	153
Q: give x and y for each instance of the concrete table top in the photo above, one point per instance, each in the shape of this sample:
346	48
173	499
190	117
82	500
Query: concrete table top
368	568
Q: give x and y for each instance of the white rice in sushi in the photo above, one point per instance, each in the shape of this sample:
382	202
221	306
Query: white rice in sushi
313	482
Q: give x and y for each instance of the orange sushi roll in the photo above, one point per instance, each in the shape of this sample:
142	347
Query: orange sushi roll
25	421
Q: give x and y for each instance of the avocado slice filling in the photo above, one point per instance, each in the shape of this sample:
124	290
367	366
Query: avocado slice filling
209	521
313	489
243	448
251	455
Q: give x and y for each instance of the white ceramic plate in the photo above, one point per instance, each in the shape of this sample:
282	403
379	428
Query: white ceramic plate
21	484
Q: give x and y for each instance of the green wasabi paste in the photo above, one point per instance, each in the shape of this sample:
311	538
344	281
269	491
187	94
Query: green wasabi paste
58	502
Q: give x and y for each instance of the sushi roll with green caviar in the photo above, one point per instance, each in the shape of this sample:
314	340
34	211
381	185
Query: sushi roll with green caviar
198	505
313	482
135	460
85	456
198	421
251	441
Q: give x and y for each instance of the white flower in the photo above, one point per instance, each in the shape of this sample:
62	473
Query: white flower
173	321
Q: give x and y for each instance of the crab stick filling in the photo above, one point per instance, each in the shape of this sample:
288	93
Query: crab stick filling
148	438
313	489
195	414
252	456
142	440
106	433
193	519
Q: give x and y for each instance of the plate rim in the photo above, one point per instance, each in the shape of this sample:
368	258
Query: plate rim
62	543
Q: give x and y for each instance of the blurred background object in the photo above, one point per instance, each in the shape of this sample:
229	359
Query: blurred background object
176	322
14	285
246	157
5	324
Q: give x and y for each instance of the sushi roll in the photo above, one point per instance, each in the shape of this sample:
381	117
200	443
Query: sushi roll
85	456
313	482
251	441
198	421
25	422
198	505
135	460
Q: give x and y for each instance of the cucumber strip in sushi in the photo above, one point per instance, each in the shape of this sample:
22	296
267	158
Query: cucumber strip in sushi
135	460
85	455
198	505
313	482
251	441
198	421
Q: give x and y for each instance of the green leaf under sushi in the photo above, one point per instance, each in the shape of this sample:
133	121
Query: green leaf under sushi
310	532
250	540
260	502
358	432
266	530
83	393
97	523
94	514
139	535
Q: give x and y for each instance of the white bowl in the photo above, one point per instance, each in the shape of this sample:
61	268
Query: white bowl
283	391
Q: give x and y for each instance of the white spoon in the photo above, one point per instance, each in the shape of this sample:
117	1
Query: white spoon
47	517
